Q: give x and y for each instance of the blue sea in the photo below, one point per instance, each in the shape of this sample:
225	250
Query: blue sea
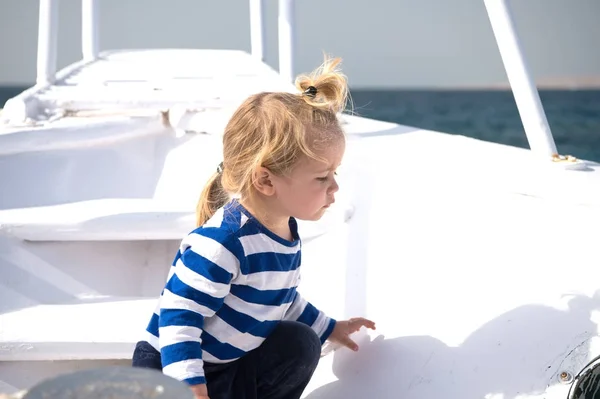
573	115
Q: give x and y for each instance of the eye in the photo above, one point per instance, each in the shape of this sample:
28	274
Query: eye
325	178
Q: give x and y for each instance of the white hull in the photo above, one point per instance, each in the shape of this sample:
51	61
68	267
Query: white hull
476	260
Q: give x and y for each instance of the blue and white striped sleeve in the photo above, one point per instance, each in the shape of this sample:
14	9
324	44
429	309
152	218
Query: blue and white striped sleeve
303	311
196	290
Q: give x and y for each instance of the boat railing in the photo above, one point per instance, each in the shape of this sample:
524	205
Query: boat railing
523	87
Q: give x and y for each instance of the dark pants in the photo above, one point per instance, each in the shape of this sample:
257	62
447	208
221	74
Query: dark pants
278	369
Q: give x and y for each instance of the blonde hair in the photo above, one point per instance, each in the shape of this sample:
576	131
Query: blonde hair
274	130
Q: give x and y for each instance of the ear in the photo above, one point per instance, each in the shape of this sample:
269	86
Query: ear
263	181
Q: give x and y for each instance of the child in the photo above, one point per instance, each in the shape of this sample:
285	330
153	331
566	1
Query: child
230	321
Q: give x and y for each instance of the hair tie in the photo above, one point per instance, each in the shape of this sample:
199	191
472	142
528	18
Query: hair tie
220	168
311	91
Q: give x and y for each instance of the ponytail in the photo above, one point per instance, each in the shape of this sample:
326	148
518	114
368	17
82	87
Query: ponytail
212	198
326	87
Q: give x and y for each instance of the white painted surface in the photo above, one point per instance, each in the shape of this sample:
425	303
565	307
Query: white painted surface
97	328
148	80
127	220
477	261
479	270
65	134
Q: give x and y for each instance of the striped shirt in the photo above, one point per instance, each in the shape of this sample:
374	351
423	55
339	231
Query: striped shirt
231	283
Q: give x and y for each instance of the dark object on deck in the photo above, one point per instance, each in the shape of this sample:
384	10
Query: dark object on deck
587	382
117	382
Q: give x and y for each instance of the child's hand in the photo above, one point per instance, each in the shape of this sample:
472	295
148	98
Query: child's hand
342	330
200	391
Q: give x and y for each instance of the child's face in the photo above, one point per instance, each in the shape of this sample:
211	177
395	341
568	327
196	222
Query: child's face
309	190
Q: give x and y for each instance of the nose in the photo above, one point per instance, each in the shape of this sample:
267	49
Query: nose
334	187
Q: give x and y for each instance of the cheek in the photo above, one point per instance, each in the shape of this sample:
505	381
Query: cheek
296	193
304	194
316	191
307	193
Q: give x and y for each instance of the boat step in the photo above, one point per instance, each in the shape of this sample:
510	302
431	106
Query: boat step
127	219
99	328
98	220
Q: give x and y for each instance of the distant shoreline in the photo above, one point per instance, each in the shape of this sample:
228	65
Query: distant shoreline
470	88
547	82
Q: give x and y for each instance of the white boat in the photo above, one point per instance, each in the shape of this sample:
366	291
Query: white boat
476	260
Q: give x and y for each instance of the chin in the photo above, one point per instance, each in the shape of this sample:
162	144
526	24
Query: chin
314	217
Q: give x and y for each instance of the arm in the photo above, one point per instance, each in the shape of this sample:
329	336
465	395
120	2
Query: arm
325	327
304	312
195	291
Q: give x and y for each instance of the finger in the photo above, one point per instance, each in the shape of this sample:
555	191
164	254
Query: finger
348	343
357	322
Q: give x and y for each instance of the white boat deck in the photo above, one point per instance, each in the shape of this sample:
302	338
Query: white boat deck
93	208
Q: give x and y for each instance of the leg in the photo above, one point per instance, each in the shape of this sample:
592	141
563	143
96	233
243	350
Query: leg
145	356
235	380
224	381
286	361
